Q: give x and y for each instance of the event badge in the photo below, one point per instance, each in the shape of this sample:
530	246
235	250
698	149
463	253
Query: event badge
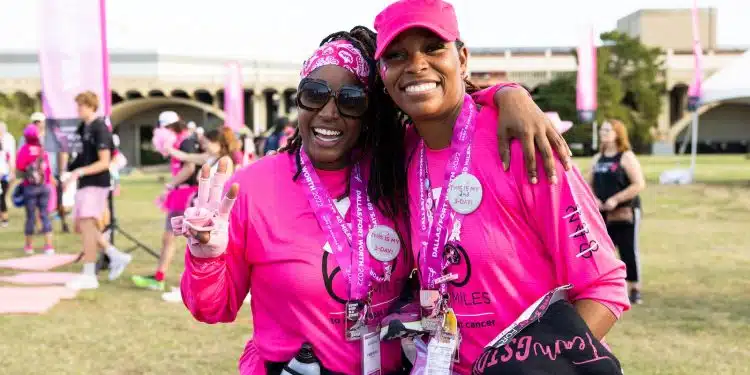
442	349
430	303
371	353
383	243
355	322
465	193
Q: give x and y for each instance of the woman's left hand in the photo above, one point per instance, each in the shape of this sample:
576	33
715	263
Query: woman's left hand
521	118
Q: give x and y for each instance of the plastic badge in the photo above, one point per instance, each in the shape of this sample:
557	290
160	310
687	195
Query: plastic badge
355	315
442	347
371	354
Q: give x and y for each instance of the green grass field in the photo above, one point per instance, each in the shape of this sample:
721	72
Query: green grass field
696	317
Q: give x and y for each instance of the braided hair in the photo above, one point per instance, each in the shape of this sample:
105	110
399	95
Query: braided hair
382	136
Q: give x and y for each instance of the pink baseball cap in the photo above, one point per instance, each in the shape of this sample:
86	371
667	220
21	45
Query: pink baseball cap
31	134
434	15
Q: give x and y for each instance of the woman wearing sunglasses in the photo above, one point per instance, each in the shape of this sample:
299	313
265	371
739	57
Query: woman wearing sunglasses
487	242
341	181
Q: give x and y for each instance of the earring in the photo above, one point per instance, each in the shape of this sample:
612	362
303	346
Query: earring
385	91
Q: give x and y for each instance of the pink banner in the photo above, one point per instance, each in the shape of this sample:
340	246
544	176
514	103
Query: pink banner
73	55
694	91
234	97
586	82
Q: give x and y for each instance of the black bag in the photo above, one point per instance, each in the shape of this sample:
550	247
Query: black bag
559	343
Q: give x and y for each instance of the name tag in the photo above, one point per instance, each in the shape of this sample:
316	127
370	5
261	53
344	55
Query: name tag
371	354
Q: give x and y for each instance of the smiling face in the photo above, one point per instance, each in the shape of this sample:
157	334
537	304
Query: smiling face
424	74
327	137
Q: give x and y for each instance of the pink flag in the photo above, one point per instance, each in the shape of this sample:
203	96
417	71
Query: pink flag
694	91
586	83
73	55
234	97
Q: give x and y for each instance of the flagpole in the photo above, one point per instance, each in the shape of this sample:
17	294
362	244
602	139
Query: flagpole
694	145
694	91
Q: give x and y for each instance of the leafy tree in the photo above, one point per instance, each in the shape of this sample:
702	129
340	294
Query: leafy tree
15	111
630	84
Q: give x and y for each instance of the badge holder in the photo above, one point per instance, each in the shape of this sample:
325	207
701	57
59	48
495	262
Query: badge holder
431	303
356	315
442	349
371	353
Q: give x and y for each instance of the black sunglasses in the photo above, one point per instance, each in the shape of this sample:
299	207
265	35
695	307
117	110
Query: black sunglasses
314	94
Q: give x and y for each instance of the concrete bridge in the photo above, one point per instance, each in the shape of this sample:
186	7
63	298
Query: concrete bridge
144	83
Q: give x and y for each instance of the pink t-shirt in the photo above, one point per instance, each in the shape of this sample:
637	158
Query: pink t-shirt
28	154
277	251
518	241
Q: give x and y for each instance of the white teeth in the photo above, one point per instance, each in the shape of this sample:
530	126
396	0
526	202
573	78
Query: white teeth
327	132
421	87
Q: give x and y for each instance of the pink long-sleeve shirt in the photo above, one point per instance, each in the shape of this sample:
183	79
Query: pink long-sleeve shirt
277	251
520	242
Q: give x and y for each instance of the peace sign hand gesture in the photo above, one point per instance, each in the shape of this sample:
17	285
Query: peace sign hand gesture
206	225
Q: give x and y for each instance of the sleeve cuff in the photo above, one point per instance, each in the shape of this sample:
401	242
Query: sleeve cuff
203	265
486	97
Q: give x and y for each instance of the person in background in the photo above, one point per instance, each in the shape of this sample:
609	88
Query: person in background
33	165
230	145
273	142
7	169
192	127
56	146
260	145
179	191
214	145
617	179
288	133
90	170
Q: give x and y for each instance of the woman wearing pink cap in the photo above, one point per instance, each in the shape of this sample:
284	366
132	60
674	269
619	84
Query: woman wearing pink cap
488	243
33	164
318	242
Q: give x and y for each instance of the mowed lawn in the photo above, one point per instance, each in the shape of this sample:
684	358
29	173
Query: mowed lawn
695	320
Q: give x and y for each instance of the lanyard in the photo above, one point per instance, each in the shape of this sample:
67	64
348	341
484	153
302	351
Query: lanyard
432	237
348	245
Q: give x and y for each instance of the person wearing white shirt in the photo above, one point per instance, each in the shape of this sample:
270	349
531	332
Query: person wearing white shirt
7	169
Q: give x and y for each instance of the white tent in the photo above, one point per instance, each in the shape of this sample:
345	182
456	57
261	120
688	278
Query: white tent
730	83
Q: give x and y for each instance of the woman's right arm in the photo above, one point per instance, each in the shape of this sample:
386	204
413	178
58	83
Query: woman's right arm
214	287
199	159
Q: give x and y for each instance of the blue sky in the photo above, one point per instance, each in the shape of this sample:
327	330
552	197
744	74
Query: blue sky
287	30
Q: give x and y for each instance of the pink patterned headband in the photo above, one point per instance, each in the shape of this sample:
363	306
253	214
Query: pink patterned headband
340	53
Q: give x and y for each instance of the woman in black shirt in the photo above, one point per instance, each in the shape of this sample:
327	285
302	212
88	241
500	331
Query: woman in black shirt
617	178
